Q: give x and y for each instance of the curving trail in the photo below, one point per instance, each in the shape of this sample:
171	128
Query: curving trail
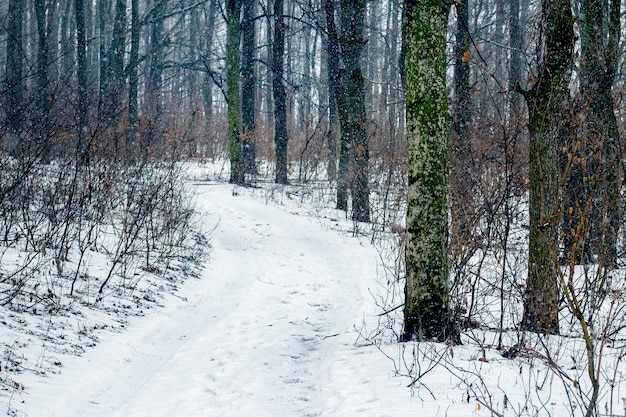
268	330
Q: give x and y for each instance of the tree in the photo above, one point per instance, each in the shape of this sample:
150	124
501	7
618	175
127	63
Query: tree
549	107
427	301
45	96
460	146
233	64
248	90
334	127
599	139
281	139
133	80
207	91
351	106
14	65
154	82
81	77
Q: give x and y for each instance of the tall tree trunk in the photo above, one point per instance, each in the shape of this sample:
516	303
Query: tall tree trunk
427	293
44	96
154	85
351	105
207	90
133	81
248	89
599	47
103	7
14	66
515	61
81	75
113	83
280	109
460	148
549	108
334	128
233	64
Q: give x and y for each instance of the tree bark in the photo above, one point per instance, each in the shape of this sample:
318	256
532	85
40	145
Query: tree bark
14	65
233	63
81	75
207	90
460	147
248	89
351	106
133	81
281	138
600	143
549	107
44	97
427	299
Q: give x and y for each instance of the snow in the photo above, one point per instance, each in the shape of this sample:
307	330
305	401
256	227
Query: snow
278	324
268	330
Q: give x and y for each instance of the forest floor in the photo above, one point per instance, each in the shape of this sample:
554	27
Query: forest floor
277	324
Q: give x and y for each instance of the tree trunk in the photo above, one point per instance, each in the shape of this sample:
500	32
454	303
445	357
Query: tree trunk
14	66
427	299
133	81
549	109
248	89
280	110
113	82
154	85
233	63
460	147
44	96
600	145
81	75
207	90
351	106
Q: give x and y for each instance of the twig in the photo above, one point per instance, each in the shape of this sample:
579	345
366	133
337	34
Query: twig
490	408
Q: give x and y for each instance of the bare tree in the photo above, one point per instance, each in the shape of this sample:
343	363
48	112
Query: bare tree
248	88
351	106
233	62
281	138
549	105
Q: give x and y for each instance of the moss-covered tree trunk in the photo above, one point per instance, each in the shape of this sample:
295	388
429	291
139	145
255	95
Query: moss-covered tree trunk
549	107
233	64
427	299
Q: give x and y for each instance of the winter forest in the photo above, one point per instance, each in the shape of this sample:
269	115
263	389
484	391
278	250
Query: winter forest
476	146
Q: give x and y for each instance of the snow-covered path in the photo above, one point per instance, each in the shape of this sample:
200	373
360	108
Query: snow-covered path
267	331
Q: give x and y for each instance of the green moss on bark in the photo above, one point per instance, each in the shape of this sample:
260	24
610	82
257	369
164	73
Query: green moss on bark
427	296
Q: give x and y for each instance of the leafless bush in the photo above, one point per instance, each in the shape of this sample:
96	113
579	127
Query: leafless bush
139	217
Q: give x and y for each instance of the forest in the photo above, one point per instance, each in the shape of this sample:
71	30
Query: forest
484	139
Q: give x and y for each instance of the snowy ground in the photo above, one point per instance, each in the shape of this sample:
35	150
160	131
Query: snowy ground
269	330
273	327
